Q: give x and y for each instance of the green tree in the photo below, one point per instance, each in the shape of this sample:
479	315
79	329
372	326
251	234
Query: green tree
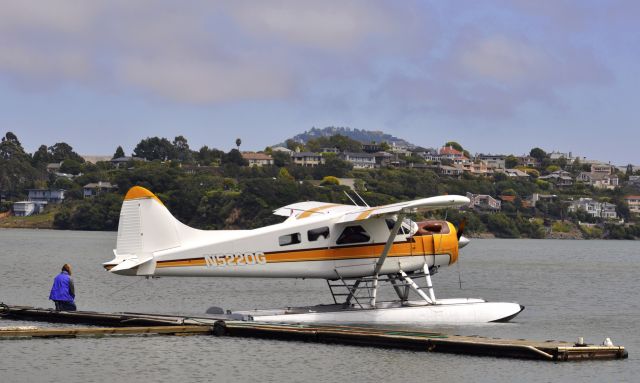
538	154
330	180
510	162
10	148
234	157
181	151
119	153
62	151
41	157
154	148
71	167
206	156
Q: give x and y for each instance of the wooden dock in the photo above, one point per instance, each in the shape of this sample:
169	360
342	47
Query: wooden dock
129	324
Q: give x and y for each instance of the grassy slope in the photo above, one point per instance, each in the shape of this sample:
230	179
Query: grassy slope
38	221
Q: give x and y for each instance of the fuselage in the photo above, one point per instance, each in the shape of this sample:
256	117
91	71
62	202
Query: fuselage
309	245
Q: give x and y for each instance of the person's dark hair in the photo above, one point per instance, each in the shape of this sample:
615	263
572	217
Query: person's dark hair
66	267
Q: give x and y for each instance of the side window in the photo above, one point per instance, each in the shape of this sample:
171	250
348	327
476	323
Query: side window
353	234
289	239
319	233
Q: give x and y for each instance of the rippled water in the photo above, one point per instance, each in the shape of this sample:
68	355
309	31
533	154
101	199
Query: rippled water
570	289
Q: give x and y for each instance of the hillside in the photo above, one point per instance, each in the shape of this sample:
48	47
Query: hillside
364	136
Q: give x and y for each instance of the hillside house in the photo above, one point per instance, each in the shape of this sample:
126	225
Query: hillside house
483	202
360	160
46	195
24	208
601	168
449	170
559	178
383	159
528	161
93	189
634	203
493	161
515	173
596	209
307	159
257	159
281	149
599	180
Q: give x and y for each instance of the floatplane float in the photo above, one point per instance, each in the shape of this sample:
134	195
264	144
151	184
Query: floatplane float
355	248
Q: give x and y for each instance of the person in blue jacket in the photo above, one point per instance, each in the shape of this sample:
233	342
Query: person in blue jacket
63	292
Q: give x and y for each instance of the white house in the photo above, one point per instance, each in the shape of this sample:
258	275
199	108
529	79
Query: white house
46	195
24	208
483	202
360	160
597	209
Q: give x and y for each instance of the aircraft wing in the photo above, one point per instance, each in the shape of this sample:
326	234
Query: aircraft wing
350	213
423	204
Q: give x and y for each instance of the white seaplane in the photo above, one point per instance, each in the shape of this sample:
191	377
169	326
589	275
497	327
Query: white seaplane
355	248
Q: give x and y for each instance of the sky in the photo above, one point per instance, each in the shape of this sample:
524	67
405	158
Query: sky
498	76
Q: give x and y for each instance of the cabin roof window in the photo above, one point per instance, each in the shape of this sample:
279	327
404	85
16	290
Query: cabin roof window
353	234
290	239
317	234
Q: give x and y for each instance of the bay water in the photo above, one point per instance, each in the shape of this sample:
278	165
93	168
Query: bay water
570	289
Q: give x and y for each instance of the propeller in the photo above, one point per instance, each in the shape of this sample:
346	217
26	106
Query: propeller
462	241
460	228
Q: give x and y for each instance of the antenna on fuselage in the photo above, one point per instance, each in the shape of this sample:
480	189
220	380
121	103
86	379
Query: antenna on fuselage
348	196
361	199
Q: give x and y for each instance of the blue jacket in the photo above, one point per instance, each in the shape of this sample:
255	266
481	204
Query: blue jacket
62	289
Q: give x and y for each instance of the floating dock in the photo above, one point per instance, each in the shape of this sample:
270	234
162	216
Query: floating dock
225	325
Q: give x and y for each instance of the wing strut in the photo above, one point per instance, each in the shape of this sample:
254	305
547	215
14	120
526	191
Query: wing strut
383	256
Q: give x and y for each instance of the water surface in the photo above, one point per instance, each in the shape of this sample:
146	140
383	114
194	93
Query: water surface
570	289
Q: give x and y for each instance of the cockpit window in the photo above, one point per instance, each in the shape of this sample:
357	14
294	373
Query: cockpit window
289	239
353	234
318	234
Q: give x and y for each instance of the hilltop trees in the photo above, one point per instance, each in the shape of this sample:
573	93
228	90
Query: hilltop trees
154	148
118	153
342	143
538	154
62	151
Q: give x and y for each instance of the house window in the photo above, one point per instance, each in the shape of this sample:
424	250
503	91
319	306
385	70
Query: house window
353	234
319	233
289	239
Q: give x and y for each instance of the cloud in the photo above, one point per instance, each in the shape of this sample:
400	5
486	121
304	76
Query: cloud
493	75
412	56
323	25
194	51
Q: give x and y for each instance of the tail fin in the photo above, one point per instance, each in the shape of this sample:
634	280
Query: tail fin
146	226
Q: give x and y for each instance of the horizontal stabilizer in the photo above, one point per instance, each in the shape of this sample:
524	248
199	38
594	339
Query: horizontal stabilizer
130	264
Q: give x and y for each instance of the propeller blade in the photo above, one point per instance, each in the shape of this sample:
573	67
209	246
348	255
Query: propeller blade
460	228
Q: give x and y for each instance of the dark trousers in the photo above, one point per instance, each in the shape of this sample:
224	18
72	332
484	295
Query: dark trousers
65	306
